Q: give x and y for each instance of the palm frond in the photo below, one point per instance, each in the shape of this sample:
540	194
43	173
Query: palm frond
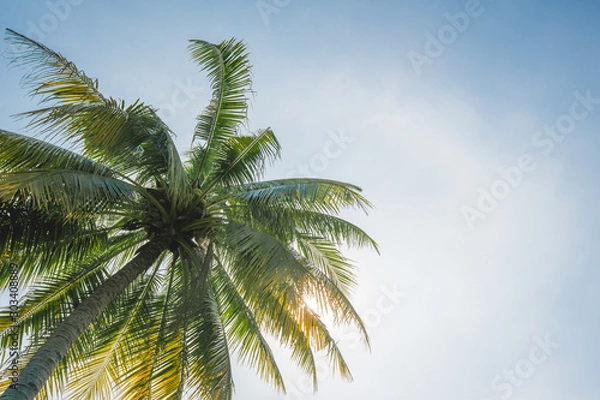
266	259
320	195
329	260
330	297
55	295
51	76
108	130
243	330
144	373
42	242
124	137
276	314
244	159
20	152
288	220
72	192
322	339
208	373
229	73
116	343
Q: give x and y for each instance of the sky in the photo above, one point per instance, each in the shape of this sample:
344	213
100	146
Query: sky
472	126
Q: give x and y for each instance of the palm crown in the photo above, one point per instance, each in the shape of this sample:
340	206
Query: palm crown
161	268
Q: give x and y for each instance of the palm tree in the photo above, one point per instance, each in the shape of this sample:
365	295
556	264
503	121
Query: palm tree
147	272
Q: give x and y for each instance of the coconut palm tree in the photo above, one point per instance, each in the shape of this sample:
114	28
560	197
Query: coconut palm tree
145	271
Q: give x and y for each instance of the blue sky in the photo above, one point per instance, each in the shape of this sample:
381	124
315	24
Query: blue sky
488	222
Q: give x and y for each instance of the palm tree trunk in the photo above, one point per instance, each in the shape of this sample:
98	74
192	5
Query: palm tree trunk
46	359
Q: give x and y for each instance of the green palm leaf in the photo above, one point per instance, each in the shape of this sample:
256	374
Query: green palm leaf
244	330
19	152
52	76
229	72
244	159
72	192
